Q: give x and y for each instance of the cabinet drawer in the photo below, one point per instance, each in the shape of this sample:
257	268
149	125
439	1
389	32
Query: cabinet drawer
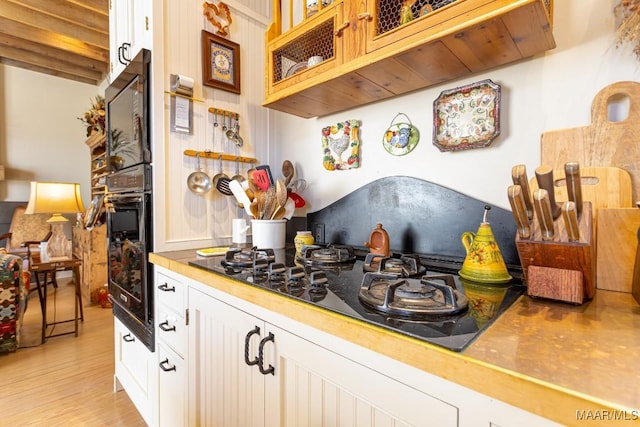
172	329
171	293
130	357
172	388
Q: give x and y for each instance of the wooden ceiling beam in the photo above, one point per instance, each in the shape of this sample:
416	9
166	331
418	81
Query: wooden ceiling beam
46	22
54	40
50	63
47	52
43	70
64	38
90	14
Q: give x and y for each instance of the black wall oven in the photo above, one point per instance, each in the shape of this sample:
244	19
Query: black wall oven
130	238
129	199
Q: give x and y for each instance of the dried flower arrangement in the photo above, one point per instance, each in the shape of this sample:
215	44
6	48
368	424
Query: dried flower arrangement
627	13
94	118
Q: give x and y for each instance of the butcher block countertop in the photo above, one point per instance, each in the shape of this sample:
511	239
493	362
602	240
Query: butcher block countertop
553	359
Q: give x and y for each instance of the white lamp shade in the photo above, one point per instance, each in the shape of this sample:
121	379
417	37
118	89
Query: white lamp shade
54	198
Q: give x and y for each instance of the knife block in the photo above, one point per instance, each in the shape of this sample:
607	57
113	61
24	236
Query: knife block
559	269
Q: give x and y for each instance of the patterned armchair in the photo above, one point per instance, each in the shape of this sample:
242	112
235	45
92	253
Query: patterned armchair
13	300
24	237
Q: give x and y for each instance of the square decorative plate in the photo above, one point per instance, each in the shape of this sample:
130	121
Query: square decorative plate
467	117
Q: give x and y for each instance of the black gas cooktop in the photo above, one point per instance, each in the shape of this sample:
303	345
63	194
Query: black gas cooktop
338	287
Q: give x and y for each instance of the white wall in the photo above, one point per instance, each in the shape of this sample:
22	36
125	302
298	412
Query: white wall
548	92
183	219
41	138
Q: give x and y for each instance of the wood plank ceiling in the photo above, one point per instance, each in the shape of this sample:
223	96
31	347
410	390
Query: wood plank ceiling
63	38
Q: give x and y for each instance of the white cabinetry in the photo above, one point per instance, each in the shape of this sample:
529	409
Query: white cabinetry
135	371
316	386
245	371
171	335
223	389
129	31
229	362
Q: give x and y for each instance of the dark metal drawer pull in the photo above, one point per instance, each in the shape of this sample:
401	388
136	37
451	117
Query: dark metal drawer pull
255	331
128	338
165	366
270	369
165	326
165	287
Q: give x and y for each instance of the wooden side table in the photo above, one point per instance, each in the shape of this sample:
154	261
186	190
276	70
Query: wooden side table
51	267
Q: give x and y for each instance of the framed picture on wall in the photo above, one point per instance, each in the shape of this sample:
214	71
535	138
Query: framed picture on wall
220	63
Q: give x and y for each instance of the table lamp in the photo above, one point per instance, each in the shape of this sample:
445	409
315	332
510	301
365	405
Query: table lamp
56	198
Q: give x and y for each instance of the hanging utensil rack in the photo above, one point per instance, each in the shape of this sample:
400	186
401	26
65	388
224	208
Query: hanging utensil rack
225	113
223	156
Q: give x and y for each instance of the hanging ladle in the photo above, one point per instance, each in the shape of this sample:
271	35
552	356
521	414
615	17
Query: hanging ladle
233	135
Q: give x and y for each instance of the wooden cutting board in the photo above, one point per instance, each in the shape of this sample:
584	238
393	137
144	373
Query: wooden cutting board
603	142
616	249
604	187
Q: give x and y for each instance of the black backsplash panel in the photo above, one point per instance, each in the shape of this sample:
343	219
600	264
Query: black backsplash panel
420	217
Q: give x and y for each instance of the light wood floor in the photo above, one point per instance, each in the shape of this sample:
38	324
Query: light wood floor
68	381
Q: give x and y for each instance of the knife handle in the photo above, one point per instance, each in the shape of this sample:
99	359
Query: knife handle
544	176
516	200
570	217
519	177
542	207
574	187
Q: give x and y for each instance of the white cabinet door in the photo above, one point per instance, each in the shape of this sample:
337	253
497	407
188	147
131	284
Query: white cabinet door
223	389
172	388
129	31
135	370
120	32
141	25
313	386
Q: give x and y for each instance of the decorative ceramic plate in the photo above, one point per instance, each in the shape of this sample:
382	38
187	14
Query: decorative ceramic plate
295	68
341	145
400	138
467	117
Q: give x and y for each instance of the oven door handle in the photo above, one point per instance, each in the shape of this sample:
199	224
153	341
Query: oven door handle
115	198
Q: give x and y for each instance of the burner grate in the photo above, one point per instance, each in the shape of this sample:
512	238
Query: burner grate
412	298
408	265
331	255
248	258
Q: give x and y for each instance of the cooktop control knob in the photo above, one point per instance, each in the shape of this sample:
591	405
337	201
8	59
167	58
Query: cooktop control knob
318	281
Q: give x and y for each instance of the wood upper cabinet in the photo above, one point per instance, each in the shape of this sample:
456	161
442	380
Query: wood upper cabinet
368	55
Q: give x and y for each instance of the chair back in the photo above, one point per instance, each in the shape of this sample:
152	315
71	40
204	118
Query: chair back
25	228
